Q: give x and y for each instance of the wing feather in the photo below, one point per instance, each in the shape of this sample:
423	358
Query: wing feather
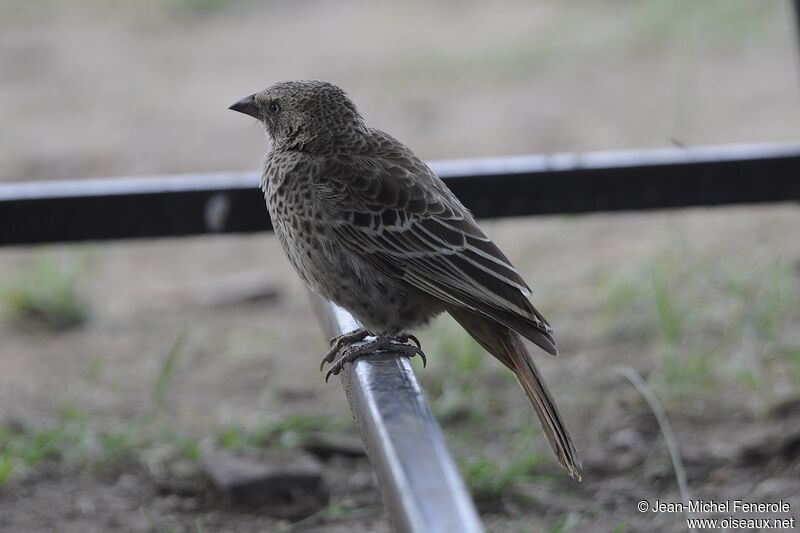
394	211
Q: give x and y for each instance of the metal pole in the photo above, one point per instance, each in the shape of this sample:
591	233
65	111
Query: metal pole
421	486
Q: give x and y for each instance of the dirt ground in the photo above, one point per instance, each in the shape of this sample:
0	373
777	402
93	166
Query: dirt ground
701	302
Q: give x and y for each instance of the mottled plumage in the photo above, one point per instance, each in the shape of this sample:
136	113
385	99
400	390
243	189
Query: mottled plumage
369	226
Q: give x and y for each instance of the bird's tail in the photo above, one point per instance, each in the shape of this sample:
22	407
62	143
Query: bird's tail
507	346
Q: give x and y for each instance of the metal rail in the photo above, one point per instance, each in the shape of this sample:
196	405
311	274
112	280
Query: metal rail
420	484
161	206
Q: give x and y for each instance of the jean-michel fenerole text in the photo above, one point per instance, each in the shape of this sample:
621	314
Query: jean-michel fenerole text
722	506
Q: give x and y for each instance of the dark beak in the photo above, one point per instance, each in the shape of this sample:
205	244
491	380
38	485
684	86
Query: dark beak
247	105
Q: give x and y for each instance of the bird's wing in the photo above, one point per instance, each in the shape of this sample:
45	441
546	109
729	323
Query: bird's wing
393	210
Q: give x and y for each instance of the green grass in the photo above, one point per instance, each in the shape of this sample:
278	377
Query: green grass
766	316
618	295
285	432
671	319
493	477
686	366
766	299
790	356
96	369
624	307
706	326
687	373
195	7
6	467
74	438
664	21
48	294
167	371
458	379
490	480
569	523
78	438
342	509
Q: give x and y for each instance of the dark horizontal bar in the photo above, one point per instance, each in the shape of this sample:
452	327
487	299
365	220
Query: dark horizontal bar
421	487
122	208
161	206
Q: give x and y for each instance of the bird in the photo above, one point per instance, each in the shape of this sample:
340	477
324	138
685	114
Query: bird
369	226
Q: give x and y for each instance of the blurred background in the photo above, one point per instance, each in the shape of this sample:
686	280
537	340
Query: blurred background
125	367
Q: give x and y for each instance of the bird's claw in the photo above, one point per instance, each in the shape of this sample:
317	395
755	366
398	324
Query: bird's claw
382	344
421	356
339	342
404	338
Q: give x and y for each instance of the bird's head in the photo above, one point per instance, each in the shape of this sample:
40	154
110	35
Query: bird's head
299	114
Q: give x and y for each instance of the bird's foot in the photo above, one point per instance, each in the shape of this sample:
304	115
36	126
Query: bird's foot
340	341
394	345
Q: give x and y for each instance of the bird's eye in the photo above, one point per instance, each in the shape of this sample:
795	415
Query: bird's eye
274	107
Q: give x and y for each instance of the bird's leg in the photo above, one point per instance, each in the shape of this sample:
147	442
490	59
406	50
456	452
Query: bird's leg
339	342
383	343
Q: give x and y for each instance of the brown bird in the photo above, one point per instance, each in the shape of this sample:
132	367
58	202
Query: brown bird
369	226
